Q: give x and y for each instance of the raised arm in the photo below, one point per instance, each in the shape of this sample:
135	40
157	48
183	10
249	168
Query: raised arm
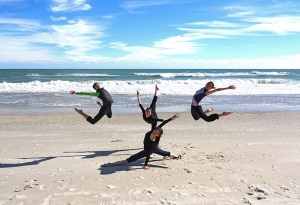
96	94
177	115
138	96
220	89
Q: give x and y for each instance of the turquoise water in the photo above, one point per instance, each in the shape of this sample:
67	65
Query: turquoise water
24	91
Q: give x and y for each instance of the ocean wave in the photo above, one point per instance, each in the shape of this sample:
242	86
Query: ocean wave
72	75
167	87
263	73
200	75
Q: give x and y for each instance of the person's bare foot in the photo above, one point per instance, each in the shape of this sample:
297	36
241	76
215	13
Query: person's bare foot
226	113
209	110
78	111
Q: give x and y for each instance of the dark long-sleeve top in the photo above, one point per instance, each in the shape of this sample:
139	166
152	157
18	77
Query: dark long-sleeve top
199	95
152	118
149	145
100	93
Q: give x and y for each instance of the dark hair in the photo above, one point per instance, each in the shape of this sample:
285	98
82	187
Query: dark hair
149	108
161	131
213	85
95	84
160	134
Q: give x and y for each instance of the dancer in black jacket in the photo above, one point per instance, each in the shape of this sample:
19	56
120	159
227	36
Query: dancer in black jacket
105	107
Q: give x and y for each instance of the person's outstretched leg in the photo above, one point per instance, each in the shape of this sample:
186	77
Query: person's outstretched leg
100	114
198	113
164	153
154	100
224	114
81	113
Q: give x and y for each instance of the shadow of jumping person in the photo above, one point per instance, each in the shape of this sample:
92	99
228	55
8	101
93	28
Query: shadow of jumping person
94	154
34	162
128	167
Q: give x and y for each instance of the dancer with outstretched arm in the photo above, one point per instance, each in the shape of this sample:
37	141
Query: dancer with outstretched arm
196	108
151	142
105	107
149	115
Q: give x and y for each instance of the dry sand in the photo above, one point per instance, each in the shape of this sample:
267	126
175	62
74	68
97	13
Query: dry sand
240	159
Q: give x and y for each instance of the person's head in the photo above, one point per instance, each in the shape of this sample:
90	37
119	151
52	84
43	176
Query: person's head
148	112
210	85
96	86
158	132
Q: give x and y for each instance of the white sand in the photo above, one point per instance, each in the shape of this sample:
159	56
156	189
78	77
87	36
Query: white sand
239	159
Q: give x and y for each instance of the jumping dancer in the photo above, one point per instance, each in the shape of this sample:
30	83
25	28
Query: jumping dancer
151	142
149	115
196	108
105	107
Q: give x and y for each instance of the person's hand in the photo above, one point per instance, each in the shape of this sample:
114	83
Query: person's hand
175	116
138	93
72	92
231	87
99	103
145	167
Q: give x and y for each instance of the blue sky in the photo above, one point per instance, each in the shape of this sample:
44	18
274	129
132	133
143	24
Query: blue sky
149	34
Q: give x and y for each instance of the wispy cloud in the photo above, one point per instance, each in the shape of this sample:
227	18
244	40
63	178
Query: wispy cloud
69	5
14	24
131	6
108	17
282	25
10	2
175	45
62	18
250	20
73	40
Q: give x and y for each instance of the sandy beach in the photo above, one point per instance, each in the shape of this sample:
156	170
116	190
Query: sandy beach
239	159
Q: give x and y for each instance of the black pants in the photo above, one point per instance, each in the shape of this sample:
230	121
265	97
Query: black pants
198	113
143	154
154	115
104	110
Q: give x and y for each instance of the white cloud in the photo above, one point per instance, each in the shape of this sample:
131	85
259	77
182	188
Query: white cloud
132	5
175	45
281	25
108	17
69	5
71	41
11	24
10	2
221	24
62	18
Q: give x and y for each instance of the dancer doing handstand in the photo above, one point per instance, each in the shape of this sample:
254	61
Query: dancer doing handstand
151	142
105	107
196	108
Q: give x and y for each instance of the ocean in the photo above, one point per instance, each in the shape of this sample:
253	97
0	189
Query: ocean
46	91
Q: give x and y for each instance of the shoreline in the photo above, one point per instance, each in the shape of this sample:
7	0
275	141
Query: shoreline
238	159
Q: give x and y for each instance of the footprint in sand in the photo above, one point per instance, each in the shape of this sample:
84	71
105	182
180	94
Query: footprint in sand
259	194
31	184
216	157
188	171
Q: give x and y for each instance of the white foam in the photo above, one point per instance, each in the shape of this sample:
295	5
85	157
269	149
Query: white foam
167	87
